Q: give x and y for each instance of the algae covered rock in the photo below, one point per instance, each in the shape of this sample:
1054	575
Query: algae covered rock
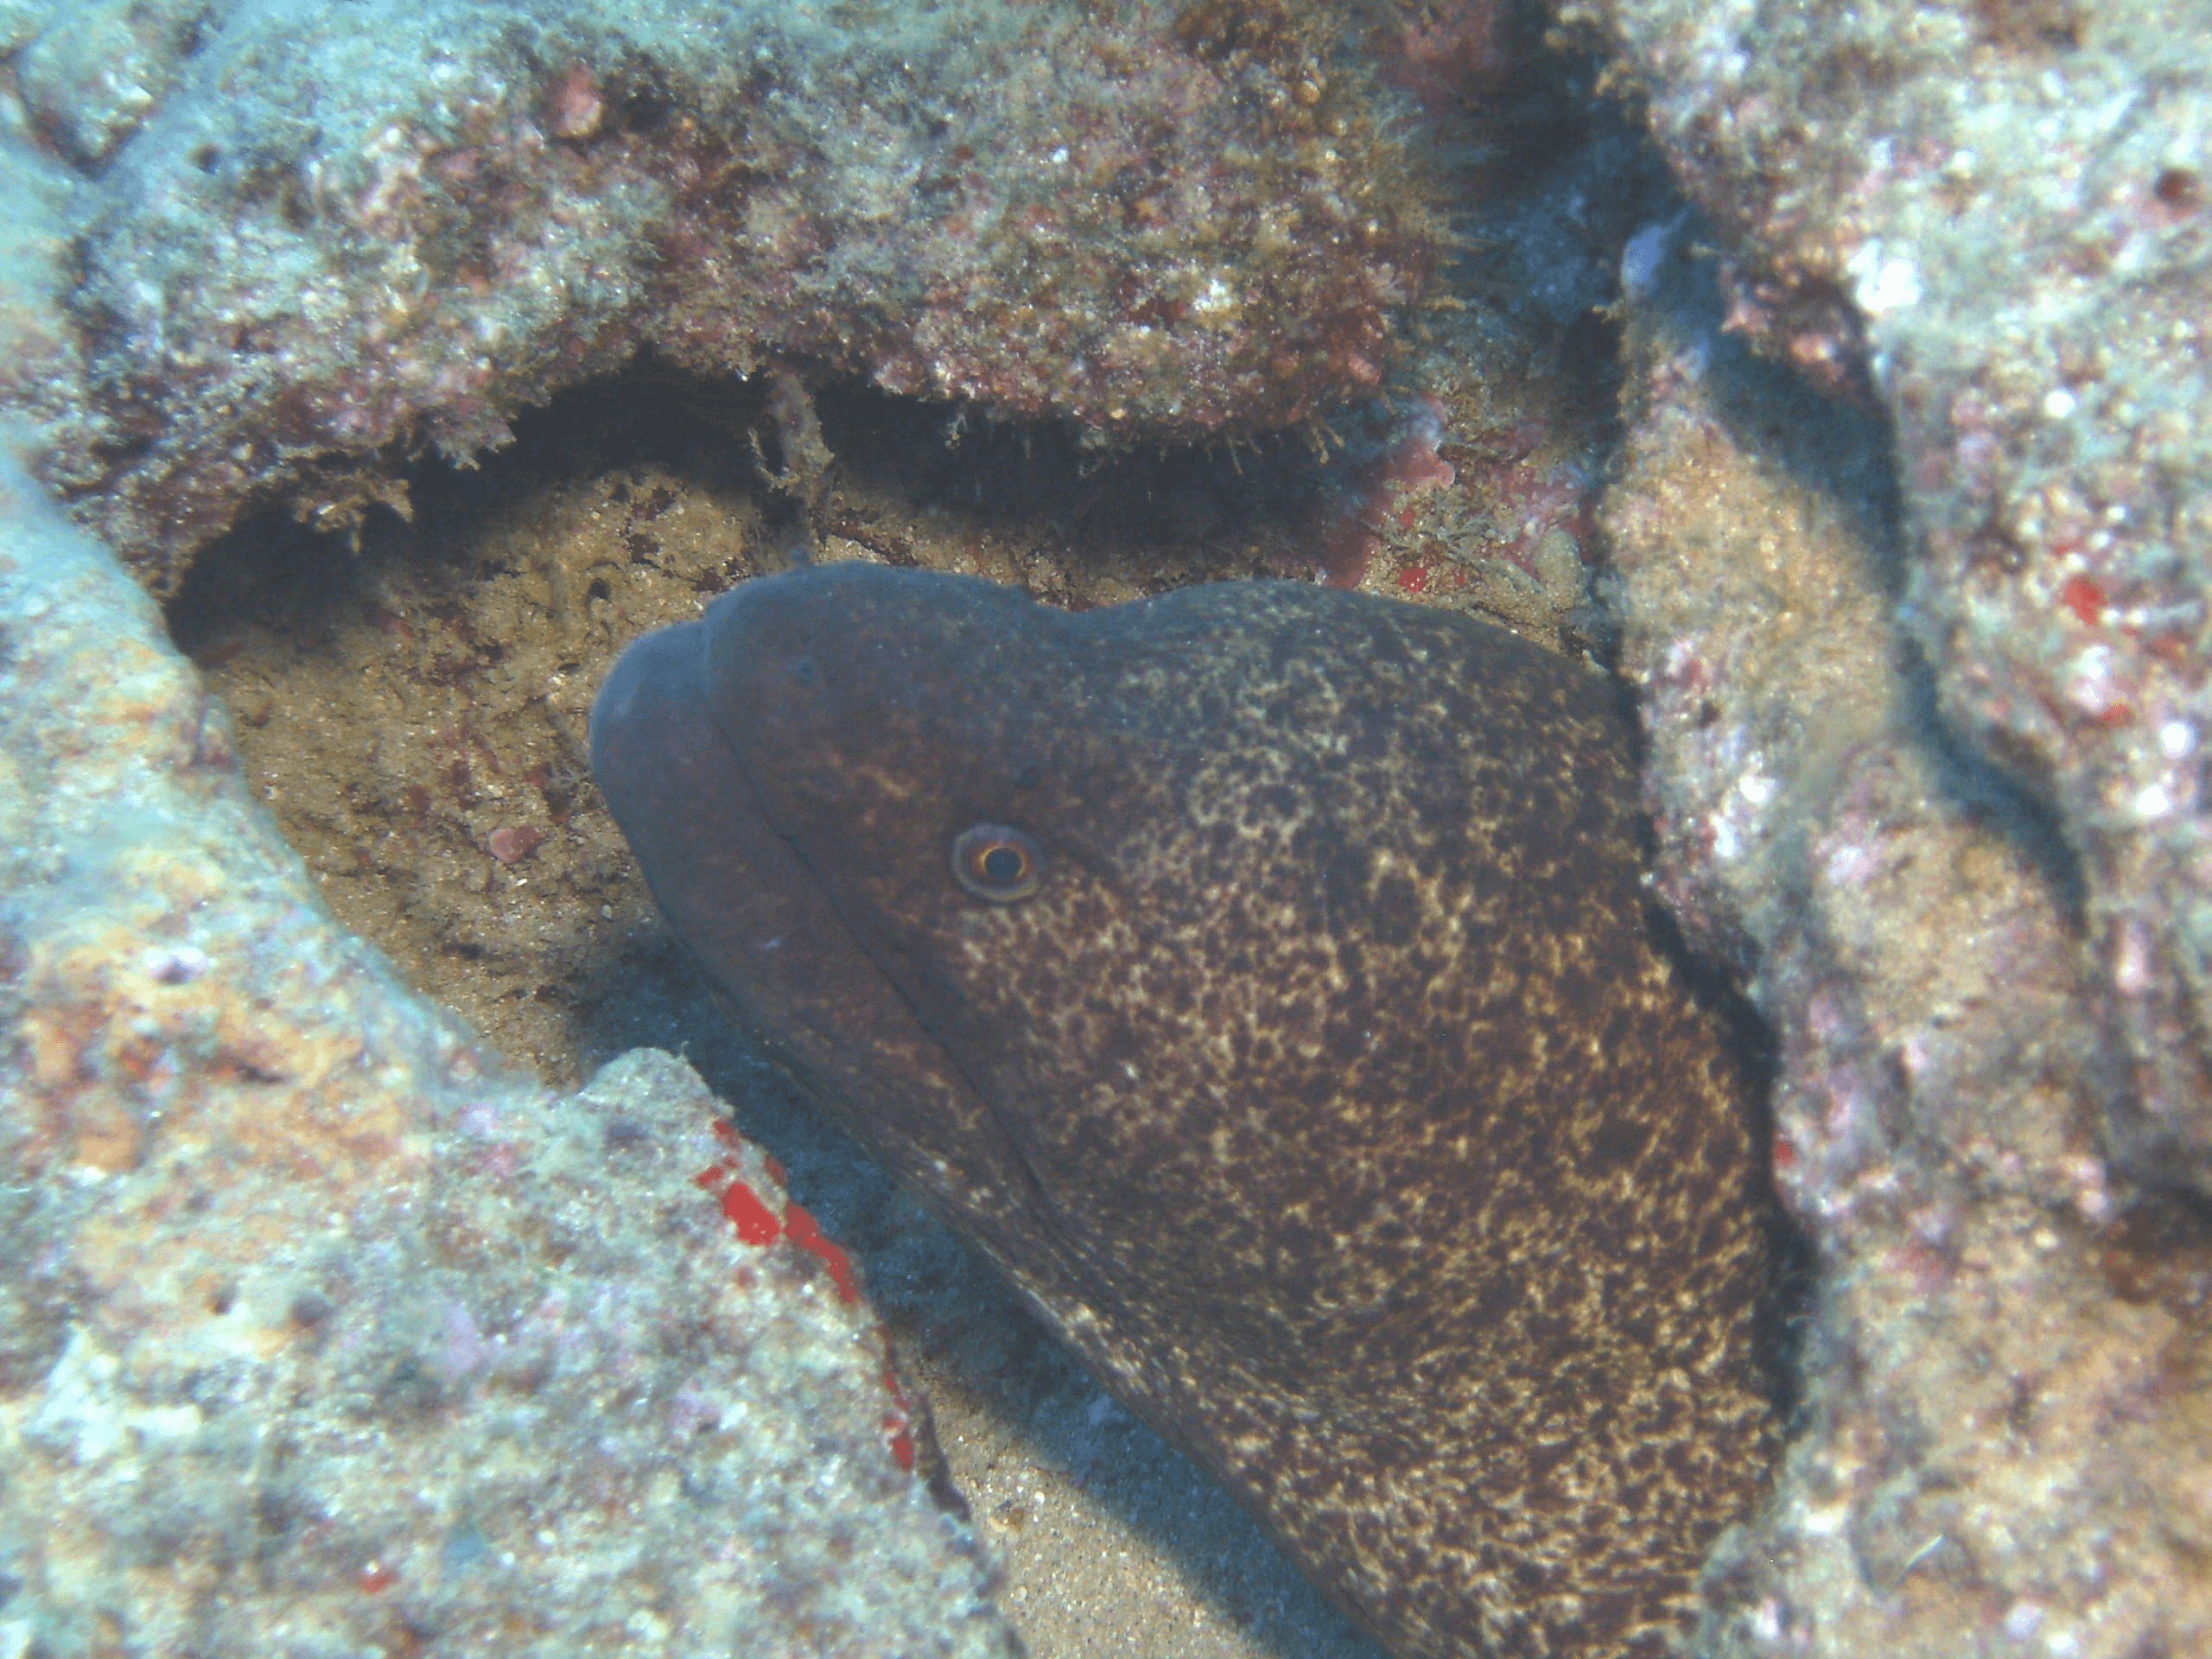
321	1326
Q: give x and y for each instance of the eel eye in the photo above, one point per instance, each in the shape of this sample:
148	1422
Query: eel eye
997	863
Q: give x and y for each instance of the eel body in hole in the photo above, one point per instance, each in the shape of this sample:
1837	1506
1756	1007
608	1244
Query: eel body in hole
1262	976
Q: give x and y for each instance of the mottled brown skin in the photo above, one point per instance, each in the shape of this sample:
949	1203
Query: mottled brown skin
1328	1094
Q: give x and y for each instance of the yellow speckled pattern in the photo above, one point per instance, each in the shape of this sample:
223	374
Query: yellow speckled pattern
1327	1093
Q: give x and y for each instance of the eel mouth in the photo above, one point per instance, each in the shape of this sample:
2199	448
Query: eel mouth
734	891
755	914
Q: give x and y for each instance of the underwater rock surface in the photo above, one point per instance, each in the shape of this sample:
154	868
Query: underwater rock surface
1916	604
2001	219
1994	1363
321	231
318	1327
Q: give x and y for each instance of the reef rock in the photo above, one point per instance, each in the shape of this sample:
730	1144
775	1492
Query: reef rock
315	234
321	1328
1916	598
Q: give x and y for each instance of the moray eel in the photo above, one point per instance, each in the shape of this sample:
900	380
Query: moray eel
1260	975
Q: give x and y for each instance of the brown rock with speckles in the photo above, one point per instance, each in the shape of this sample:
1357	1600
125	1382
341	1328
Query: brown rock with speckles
1260	975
